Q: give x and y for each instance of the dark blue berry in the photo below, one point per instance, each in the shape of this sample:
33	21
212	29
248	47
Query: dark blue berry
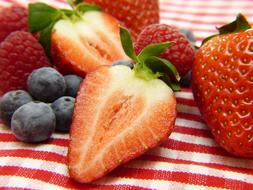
189	34
10	102
128	63
72	84
63	109
46	84
185	81
33	122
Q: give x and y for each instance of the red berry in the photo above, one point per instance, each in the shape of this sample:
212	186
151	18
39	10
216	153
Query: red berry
222	84
20	54
181	53
133	14
12	19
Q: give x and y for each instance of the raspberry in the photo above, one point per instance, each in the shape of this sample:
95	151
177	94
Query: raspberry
181	53
12	19
20	54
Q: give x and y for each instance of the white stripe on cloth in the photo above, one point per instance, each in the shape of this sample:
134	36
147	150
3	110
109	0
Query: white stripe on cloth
43	147
23	182
193	139
195	169
188	109
202	157
153	184
190	124
137	164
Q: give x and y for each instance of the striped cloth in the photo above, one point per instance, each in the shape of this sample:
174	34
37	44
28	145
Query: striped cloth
189	159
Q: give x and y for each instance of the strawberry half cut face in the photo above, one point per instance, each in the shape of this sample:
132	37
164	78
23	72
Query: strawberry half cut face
120	112
86	44
117	117
78	40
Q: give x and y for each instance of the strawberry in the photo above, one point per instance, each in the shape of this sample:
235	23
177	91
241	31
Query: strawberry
78	40
181	53
133	14
223	84
20	54
12	19
120	113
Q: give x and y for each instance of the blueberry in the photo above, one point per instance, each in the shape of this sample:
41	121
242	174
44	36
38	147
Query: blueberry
63	109
46	84
186	80
72	83
10	102
33	122
189	34
128	63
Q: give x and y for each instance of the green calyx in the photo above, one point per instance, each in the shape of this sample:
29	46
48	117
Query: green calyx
42	18
238	25
148	64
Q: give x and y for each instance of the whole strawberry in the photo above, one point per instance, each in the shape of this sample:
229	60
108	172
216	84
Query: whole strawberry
20	54
133	14
223	84
181	53
12	19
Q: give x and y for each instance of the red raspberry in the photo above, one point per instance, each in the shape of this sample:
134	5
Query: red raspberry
181	53
20	54
12	19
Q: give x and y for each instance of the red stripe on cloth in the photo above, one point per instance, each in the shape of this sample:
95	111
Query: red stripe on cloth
60	180
211	23
34	154
191	117
193	131
6	137
181	177
187	102
223	5
181	11
190	147
241	170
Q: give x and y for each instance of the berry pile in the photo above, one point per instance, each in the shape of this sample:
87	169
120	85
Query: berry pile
48	105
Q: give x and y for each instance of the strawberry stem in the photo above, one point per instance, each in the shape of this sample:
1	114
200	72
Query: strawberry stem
148	65
142	71
238	25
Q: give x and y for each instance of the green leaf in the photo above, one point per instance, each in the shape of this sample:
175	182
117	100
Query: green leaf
84	7
153	50
160	65
41	16
67	12
127	43
208	38
240	24
73	3
45	39
175	86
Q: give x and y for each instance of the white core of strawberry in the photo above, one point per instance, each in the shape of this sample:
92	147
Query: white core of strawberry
124	80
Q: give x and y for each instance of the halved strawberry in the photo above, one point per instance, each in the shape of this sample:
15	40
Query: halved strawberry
121	113
81	40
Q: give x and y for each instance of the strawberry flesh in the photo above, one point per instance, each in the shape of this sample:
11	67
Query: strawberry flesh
83	46
117	117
